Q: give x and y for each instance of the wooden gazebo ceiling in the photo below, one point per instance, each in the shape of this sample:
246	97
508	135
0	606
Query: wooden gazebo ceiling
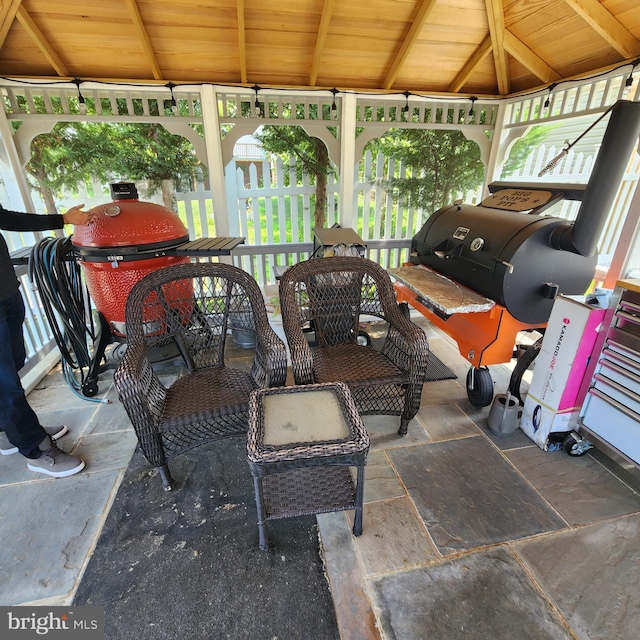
468	47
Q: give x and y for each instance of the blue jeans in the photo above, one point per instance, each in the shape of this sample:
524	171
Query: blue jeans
17	418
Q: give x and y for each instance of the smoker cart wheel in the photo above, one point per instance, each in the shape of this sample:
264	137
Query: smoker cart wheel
479	386
89	388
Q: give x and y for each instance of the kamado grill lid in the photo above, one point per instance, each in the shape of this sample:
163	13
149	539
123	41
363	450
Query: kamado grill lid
132	228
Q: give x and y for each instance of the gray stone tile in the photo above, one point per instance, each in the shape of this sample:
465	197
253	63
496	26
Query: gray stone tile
106	451
517	440
591	575
484	596
13	470
68	514
393	537
579	488
442	392
76	419
354	614
445	422
108	418
383	432
55	398
468	495
380	479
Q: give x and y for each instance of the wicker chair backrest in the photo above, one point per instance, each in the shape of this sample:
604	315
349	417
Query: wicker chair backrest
333	293
194	306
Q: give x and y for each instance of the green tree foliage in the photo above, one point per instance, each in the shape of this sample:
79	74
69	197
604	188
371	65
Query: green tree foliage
81	151
311	153
523	147
441	164
149	152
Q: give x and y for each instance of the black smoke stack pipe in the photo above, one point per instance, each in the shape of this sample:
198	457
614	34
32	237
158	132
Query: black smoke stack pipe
618	142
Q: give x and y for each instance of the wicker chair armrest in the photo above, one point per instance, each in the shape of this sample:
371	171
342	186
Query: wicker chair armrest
301	356
407	347
270	362
139	389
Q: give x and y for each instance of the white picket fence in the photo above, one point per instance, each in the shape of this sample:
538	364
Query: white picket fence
273	206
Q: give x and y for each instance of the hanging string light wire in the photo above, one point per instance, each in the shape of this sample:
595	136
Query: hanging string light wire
334	106
405	109
256	103
174	104
82	107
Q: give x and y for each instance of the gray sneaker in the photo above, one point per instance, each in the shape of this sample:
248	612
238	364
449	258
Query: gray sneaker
6	448
55	462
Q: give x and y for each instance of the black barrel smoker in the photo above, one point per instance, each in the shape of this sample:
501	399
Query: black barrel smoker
510	257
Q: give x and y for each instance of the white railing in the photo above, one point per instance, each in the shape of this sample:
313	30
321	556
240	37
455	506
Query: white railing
261	260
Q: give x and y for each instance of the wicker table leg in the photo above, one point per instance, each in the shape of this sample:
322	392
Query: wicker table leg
262	518
357	519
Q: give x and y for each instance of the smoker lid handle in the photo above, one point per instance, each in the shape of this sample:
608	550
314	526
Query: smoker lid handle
504	262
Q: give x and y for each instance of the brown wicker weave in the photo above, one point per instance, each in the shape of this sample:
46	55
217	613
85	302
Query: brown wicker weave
302	478
192	307
330	294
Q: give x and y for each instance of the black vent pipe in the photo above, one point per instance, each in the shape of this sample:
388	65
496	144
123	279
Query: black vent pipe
619	139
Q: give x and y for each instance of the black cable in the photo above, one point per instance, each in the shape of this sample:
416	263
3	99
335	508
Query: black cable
56	275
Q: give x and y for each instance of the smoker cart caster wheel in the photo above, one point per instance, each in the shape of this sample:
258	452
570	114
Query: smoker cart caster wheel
363	339
89	388
479	387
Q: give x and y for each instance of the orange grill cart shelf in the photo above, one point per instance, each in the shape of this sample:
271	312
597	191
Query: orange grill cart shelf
484	331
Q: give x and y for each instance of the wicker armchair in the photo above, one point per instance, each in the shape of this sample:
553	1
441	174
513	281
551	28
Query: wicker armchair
191	308
329	295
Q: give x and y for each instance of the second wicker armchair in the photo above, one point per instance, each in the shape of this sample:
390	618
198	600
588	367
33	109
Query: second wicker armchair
191	308
329	296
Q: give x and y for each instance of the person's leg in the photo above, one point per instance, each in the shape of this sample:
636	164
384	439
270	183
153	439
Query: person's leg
17	418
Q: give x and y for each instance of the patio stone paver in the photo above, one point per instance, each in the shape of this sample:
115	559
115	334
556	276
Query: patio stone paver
73	510
393	537
469	496
591	575
484	596
580	489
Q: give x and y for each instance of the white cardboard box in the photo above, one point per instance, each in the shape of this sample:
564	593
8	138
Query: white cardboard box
565	359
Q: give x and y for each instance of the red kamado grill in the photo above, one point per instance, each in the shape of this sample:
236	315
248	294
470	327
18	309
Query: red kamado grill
127	240
500	268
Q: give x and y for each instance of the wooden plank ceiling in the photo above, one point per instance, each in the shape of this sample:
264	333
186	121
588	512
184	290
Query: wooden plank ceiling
427	47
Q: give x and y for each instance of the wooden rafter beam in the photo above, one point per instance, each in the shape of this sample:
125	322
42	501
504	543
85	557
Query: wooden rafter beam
495	15
529	59
42	41
242	43
600	20
323	29
465	73
144	37
8	12
408	41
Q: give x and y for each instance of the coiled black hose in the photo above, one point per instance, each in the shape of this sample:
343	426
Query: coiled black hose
56	275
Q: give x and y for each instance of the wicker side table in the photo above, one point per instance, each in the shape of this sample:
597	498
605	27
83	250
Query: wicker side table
300	445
